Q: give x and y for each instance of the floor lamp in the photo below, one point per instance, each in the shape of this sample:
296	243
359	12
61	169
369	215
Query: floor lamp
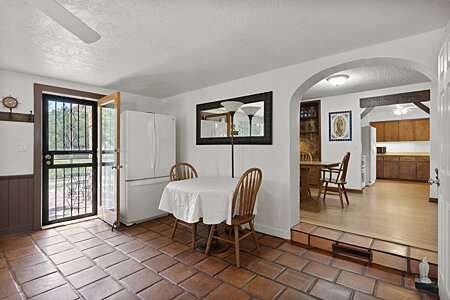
250	111
232	107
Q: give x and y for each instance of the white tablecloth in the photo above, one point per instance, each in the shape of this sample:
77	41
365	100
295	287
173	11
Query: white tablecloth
207	198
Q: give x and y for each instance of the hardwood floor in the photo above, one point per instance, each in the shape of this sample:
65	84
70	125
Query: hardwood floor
389	210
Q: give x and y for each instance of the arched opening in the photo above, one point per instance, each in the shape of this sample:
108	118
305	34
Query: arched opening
310	82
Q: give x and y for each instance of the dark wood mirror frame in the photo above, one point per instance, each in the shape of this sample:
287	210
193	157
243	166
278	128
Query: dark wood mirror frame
247	140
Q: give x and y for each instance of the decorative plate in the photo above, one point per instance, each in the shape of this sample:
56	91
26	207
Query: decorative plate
10	102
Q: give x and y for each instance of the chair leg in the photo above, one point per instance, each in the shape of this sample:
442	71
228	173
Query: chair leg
230	231
340	195
320	191
325	192
236	245
252	227
174	228
210	238
194	234
345	194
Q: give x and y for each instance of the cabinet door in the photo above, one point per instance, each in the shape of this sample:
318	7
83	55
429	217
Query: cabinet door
407	168
423	168
391	167
391	131
422	130
406	130
380	167
380	130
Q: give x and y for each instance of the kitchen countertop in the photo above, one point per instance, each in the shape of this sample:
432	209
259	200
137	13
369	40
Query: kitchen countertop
404	154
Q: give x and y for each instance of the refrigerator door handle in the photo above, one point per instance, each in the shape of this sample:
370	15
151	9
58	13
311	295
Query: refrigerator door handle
151	136
158	144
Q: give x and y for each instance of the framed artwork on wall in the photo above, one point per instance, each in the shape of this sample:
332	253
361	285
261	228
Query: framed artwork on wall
340	126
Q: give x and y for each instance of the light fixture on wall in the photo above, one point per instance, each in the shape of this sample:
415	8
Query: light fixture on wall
232	107
337	80
250	111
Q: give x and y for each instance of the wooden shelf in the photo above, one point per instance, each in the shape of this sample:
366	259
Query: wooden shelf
16	117
307	118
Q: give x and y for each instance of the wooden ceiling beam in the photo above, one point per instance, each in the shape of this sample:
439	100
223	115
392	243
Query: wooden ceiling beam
366	112
403	98
422	107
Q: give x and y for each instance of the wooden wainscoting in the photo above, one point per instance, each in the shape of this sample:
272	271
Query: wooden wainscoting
16	204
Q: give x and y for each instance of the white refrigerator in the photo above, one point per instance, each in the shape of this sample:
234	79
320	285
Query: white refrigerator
369	150
147	153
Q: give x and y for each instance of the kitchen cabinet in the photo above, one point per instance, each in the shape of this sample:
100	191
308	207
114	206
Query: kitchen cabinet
404	130
380	167
391	167
391	131
423	169
422	130
407	168
403	167
380	130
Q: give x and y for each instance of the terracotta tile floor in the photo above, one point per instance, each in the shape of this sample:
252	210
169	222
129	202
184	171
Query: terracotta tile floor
87	261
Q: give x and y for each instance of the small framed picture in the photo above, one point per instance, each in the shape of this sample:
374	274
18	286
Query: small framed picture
340	126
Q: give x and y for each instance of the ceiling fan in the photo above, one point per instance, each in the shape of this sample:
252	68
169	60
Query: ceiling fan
66	19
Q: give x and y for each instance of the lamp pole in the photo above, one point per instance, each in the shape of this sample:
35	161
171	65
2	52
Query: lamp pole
250	117
232	143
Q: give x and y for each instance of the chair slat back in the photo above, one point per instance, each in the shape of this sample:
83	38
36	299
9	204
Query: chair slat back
305	156
344	167
182	171
246	190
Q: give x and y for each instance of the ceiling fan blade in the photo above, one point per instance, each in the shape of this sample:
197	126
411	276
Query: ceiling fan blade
66	19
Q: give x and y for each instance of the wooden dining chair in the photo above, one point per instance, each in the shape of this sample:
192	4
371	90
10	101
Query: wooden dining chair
183	171
337	177
306	156
244	199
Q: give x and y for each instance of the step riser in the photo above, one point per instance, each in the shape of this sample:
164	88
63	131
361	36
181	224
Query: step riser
406	264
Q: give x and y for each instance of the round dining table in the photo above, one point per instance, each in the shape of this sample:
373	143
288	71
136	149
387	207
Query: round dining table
206	199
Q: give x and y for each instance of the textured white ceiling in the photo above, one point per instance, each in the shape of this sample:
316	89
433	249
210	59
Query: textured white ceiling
366	79
161	48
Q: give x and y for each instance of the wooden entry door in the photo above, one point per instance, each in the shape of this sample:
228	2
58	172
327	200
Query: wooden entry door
69	171
444	169
109	159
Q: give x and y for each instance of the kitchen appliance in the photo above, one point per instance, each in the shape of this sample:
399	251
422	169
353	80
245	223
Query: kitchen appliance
369	150
147	153
381	150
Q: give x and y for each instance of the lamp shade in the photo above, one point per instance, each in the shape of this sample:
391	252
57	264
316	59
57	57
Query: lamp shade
250	110
232	106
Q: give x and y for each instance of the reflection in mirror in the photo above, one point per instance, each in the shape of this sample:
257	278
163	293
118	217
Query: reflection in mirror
248	121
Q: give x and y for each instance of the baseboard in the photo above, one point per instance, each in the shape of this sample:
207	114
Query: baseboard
444	293
278	232
434	200
16	230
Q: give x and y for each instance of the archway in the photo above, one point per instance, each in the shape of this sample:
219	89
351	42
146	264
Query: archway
306	85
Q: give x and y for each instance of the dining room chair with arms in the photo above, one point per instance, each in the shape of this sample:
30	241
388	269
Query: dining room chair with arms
306	156
337	177
183	171
242	210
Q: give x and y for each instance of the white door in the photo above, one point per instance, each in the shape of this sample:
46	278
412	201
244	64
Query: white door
165	145
140	145
444	169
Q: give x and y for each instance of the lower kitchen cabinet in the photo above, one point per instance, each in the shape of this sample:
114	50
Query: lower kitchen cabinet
412	168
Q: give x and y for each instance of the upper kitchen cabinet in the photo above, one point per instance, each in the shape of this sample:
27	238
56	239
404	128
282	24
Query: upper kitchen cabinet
406	130
422	130
391	133
402	131
380	130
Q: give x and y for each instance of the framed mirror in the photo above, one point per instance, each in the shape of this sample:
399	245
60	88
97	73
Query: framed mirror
251	123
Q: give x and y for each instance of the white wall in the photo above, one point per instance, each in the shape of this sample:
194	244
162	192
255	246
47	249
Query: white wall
334	151
20	135
278	208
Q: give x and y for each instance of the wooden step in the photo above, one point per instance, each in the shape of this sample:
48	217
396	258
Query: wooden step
392	255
